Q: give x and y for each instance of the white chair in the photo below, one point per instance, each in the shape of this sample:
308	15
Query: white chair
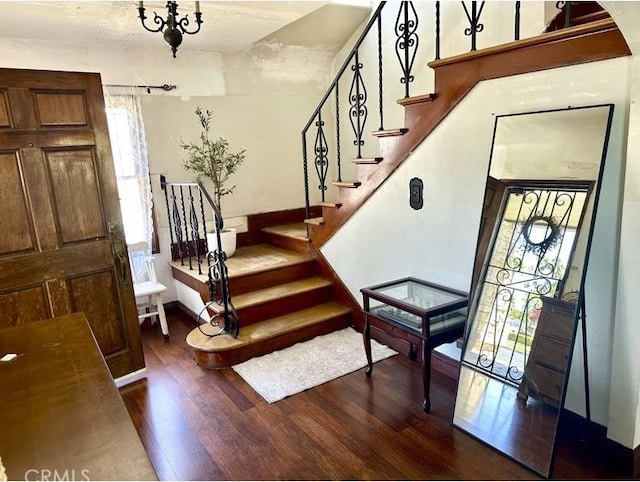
147	290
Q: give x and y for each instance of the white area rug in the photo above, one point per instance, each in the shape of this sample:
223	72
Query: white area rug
308	364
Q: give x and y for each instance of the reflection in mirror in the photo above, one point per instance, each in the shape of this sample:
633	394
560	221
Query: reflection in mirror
521	325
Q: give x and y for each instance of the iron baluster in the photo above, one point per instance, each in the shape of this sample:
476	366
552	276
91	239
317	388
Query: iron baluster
516	35
381	128
163	185
437	30
407	42
195	230
186	230
338	154
321	160
177	225
475	26
305	170
204	222
567	6
357	100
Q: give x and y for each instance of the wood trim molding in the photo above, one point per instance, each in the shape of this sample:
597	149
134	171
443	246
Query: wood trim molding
455	78
545	38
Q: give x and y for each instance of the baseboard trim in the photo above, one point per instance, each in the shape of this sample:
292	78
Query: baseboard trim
131	377
445	364
593	436
185	309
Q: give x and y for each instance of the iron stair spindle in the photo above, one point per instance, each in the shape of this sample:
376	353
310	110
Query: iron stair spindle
475	26
186	230
305	170
163	185
321	161
338	154
381	128
357	100
195	230
204	222
437	30
407	42
517	21
177	225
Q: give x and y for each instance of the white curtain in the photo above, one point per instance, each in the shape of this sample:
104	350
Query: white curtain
129	146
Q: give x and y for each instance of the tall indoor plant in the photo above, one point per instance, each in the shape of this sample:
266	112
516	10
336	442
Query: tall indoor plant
211	159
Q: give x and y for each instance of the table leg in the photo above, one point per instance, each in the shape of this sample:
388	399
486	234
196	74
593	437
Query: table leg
426	375
366	334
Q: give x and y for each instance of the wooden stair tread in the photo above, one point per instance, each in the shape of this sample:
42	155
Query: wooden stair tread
390	132
367	160
417	99
329	205
266	329
315	221
296	230
249	260
257	297
348	184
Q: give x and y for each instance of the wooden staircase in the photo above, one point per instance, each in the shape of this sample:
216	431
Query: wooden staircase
279	294
281	286
455	77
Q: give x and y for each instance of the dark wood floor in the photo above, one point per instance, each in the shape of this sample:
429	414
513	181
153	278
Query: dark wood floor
200	424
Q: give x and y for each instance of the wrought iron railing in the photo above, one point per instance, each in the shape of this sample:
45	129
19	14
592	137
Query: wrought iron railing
185	204
327	153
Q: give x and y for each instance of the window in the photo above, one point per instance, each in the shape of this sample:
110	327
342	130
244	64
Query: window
128	143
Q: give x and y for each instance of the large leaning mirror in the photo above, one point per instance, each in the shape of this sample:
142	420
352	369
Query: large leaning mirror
540	205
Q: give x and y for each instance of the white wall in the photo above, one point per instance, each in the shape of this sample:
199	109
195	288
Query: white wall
390	240
624	411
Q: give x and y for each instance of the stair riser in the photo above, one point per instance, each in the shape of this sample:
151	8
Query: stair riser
284	305
225	359
285	242
266	279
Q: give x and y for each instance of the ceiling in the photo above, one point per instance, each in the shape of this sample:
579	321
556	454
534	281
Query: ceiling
228	25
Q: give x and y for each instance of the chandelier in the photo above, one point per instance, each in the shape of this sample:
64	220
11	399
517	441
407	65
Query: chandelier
173	27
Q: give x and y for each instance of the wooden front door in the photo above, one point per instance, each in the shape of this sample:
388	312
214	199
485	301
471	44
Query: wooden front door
62	248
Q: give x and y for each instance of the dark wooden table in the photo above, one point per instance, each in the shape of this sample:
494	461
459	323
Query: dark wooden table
422	312
61	414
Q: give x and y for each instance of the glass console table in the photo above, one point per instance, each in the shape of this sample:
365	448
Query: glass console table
425	313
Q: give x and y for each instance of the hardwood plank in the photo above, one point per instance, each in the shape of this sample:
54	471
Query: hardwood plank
351	428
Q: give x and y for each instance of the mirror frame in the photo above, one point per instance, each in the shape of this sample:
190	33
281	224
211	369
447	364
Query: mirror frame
580	304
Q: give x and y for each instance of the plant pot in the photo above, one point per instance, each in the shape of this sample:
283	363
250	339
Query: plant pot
227	238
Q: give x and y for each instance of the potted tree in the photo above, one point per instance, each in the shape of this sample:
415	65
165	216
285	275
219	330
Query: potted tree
211	159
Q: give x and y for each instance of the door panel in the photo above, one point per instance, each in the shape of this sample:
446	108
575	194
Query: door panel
24	306
61	109
5	121
15	235
61	244
105	318
76	193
